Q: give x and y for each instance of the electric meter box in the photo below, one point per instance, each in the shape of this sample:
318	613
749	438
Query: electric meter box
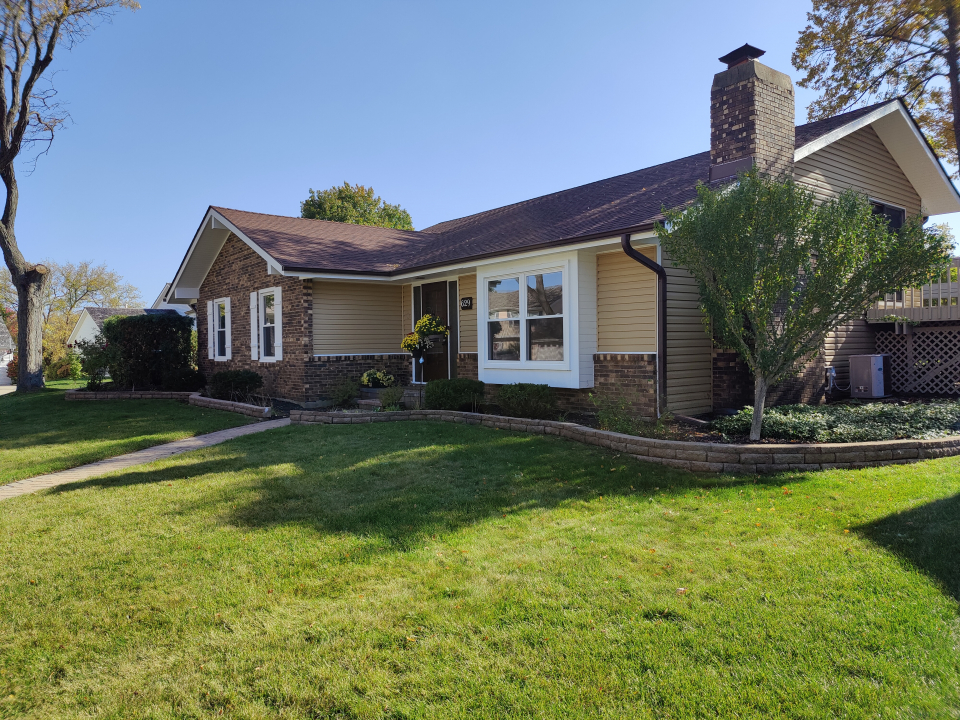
869	376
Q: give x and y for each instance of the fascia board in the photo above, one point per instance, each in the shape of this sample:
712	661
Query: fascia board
841	132
73	333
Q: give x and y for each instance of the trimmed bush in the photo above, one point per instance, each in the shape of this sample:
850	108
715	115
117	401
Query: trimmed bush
147	347
344	393
184	380
527	400
458	394
96	357
235	385
391	398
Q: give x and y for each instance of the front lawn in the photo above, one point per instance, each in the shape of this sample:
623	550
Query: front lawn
427	570
42	433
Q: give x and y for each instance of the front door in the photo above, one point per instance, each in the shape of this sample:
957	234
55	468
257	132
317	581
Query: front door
436	361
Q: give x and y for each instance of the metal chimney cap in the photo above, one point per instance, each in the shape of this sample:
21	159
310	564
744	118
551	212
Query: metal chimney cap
741	55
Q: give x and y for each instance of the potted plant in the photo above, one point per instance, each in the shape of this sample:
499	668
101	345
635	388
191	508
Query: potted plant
430	327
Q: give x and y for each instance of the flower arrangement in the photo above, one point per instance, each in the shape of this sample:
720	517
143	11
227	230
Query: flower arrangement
430	325
376	379
419	340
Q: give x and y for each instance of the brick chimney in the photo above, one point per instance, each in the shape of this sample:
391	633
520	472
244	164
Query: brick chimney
751	117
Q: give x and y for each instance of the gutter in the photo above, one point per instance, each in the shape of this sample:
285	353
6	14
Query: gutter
629	250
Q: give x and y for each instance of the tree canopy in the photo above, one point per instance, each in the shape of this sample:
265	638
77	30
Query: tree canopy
859	51
777	271
354	204
71	287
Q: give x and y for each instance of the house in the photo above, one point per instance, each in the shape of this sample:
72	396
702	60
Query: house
569	289
91	319
161	303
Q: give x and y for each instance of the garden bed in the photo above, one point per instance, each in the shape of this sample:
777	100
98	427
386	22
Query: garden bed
687	455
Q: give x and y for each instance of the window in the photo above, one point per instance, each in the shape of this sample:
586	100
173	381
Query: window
266	332
528	326
895	215
218	329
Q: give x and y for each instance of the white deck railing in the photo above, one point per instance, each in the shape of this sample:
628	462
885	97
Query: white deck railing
933	301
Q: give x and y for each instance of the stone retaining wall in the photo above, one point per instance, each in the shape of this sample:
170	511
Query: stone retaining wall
125	395
695	456
255	411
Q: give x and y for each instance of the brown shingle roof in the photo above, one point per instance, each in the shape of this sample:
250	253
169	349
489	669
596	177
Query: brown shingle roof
100	314
631	200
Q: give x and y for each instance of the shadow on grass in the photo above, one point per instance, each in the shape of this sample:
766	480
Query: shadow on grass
927	536
399	481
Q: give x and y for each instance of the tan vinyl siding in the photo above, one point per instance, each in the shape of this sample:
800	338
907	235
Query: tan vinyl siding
356	318
689	348
859	161
406	310
853	338
626	304
468	318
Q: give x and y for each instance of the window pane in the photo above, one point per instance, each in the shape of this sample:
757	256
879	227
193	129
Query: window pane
222	316
268	334
268	313
504	340
503	298
221	343
546	339
545	294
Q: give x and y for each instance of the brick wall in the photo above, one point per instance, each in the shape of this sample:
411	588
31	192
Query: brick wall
236	273
467	366
733	383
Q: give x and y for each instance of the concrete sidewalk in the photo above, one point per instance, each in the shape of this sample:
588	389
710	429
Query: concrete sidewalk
140	457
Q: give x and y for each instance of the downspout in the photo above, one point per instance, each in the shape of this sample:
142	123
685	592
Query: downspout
661	317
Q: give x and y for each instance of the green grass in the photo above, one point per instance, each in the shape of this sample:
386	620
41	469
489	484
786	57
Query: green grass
43	433
433	570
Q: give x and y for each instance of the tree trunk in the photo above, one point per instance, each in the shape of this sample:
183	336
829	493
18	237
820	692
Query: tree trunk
953	66
759	398
30	287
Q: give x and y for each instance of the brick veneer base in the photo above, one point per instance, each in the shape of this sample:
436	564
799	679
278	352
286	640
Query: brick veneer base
323	373
698	457
614	374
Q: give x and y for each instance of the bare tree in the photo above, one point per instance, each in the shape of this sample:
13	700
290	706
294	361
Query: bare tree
30	32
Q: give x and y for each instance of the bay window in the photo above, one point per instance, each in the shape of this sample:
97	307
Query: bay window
526	326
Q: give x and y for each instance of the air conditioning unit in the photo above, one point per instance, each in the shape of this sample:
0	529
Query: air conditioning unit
869	376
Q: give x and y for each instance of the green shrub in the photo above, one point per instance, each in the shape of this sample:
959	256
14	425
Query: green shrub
96	357
391	398
235	385
147	347
527	400
457	394
854	422
376	379
184	380
344	393
66	368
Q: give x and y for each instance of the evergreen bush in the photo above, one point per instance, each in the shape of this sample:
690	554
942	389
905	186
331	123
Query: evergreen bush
457	394
527	400
236	385
147	347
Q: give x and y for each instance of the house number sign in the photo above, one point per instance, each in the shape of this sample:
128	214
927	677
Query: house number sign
466	303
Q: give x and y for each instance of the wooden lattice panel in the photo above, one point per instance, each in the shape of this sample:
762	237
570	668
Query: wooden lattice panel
925	362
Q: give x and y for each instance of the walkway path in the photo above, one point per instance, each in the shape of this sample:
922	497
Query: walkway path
140	457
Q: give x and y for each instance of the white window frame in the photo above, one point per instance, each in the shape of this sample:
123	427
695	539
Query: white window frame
256	324
214	330
483	319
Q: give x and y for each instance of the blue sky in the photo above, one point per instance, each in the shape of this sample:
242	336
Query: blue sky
447	108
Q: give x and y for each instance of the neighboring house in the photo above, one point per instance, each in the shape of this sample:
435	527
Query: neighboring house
540	291
161	303
91	321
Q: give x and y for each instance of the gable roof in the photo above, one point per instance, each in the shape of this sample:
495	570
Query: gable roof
98	314
631	202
